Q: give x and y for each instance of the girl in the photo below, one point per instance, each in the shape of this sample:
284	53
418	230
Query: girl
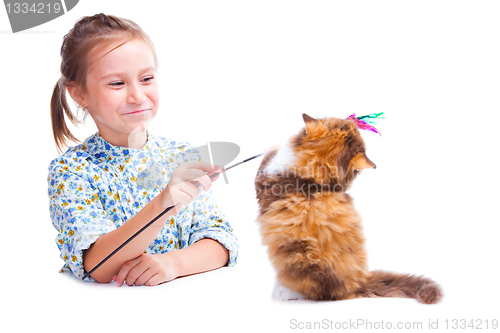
107	188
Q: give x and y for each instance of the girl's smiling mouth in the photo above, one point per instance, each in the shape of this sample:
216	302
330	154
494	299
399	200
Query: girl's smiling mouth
136	112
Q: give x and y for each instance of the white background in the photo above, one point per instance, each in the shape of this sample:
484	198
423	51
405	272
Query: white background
244	72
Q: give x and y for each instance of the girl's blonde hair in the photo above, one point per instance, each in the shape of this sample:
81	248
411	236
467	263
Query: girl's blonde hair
89	33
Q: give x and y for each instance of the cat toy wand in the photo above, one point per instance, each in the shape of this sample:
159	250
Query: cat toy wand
155	219
363	122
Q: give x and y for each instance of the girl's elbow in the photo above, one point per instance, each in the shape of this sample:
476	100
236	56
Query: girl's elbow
101	278
100	275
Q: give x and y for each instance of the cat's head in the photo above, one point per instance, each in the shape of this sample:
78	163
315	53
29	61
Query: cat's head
330	151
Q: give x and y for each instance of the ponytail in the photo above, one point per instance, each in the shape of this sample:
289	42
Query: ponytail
59	107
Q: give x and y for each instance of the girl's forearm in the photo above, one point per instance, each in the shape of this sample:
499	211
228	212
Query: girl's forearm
205	255
109	242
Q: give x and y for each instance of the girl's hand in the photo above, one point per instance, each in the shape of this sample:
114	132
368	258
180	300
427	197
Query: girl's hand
148	269
181	189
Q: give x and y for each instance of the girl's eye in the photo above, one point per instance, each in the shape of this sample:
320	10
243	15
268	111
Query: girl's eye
148	79
116	84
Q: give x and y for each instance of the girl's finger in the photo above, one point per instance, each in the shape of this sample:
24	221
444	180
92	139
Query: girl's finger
124	270
207	167
136	272
205	182
155	280
184	193
217	172
145	276
185	175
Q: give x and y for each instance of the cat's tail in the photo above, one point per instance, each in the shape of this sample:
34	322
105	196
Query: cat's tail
388	284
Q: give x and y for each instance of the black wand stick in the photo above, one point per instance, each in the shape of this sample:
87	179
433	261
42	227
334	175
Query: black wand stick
155	219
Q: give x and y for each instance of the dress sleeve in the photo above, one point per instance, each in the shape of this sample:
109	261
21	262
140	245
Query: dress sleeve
210	222
77	214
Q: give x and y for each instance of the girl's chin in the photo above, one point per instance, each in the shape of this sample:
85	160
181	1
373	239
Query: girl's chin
140	123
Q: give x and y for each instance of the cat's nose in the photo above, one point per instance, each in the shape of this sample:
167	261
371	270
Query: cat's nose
370	163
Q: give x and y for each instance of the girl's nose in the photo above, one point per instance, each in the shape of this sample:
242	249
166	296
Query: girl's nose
136	95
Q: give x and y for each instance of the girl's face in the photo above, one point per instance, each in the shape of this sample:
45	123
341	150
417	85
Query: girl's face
122	91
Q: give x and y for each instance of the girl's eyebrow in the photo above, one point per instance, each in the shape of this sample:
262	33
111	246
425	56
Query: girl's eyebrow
151	68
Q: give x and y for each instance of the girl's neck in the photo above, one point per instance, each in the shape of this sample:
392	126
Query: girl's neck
135	140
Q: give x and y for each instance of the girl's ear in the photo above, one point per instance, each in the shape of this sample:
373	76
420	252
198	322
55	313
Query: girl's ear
360	161
76	94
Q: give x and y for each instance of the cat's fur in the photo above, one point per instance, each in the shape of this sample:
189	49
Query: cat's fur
309	224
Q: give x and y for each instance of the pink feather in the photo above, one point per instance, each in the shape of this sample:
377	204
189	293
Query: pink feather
363	125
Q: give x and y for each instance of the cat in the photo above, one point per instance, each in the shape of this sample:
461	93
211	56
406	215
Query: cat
309	224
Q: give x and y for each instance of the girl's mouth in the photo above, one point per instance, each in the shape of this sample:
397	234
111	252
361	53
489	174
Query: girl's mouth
135	112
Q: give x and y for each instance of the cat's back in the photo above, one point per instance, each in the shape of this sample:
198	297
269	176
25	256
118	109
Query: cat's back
289	204
300	223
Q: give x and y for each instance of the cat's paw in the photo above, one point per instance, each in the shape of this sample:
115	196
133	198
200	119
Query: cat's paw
282	293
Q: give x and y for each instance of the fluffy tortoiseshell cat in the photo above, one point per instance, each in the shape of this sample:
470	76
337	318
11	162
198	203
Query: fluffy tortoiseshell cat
309	224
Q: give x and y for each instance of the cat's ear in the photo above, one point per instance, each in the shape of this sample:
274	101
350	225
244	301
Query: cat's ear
309	123
308	119
360	161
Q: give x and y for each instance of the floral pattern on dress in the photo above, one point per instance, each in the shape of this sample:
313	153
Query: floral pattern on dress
96	187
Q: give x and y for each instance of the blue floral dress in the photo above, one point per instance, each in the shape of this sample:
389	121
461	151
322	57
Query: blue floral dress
96	187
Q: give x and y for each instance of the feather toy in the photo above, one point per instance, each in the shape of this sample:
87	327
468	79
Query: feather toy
365	122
